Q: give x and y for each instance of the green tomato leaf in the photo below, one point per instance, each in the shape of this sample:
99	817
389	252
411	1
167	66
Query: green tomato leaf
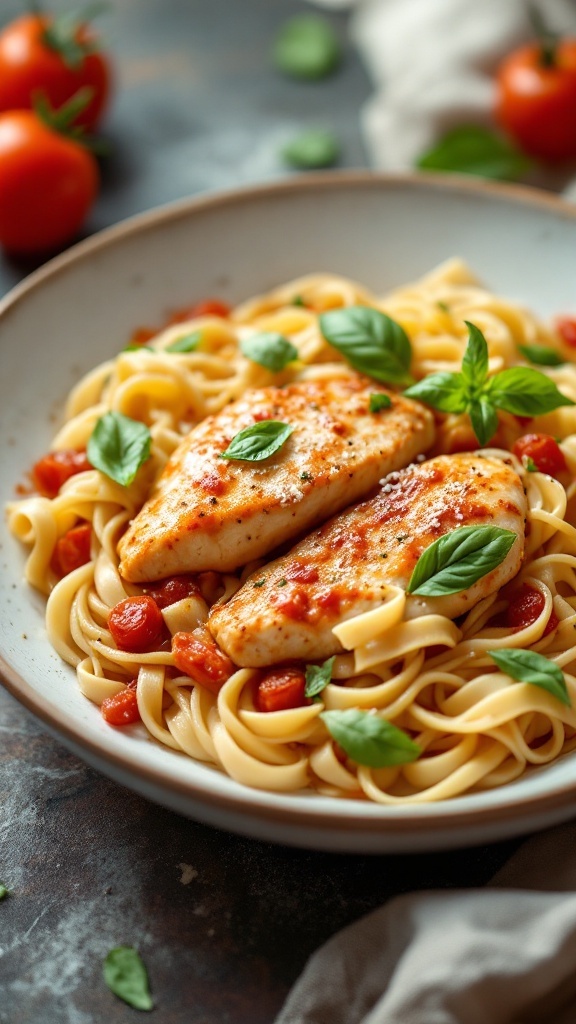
444	391
187	343
126	976
379	401
118	446
459	559
475	360
524	392
318	677
372	342
258	442
484	420
530	667
312	150
472	149
369	739
307	47
269	349
541	355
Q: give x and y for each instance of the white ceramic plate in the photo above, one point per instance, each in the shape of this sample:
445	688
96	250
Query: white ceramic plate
80	308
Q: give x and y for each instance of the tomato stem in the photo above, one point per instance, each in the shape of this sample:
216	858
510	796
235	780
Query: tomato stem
62	119
61	34
547	37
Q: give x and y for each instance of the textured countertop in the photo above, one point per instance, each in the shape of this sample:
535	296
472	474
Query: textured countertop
223	923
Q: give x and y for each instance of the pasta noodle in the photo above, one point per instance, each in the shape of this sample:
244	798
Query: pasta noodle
430	676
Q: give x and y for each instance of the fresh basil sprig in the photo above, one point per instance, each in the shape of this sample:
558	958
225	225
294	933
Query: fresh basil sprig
258	442
379	401
307	47
519	390
459	559
187	343
318	677
269	349
530	667
369	739
118	446
126	976
371	341
541	355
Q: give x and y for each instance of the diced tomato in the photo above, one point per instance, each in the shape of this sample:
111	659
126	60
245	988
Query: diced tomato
49	473
544	451
525	607
121	709
208	307
173	589
142	335
280	689
566	327
198	656
136	623
72	550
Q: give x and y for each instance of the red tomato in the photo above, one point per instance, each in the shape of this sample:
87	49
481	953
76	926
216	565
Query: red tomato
208	307
566	327
524	609
176	588
280	689
121	709
536	99
72	550
136	623
47	184
199	657
544	451
32	62
50	472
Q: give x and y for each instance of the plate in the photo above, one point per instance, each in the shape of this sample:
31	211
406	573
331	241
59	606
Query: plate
80	308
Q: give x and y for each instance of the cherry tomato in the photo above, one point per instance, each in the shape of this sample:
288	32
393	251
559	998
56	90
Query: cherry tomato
54	469
121	709
524	609
176	588
198	656
280	689
72	550
47	184
544	451
207	307
566	327
136	623
37	55
536	99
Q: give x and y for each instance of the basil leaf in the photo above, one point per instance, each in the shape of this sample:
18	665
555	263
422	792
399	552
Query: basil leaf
472	149
483	419
475	360
530	667
372	342
444	391
4	891
187	343
138	348
318	677
379	401
118	446
525	392
127	978
369	739
258	442
269	349
311	150
542	355
307	47
459	559
298	301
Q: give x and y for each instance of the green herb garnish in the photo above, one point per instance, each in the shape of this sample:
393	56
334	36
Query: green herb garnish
459	559
379	401
126	976
119	446
4	891
187	343
318	677
312	150
530	667
307	47
269	349
472	149
541	355
372	342
258	442
369	739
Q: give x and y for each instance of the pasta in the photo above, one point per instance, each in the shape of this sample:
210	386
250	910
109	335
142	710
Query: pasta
434	678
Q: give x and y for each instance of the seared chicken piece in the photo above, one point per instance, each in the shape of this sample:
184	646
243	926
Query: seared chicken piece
211	513
288	609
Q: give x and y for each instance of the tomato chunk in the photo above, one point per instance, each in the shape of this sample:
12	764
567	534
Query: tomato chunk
49	473
198	656
525	607
172	589
121	709
280	689
207	307
566	327
72	550
544	451
136	623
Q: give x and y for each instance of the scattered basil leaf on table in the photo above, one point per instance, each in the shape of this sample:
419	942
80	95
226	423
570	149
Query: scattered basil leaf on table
369	739
126	976
4	891
541	355
307	47
318	677
269	349
370	341
459	559
472	149
187	343
258	442
118	446
312	150
530	667
379	401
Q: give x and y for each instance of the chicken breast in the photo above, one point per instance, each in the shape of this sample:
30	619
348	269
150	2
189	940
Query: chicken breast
288	609
211	513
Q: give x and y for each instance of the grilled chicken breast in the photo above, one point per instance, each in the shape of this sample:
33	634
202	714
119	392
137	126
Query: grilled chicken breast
211	513
287	610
